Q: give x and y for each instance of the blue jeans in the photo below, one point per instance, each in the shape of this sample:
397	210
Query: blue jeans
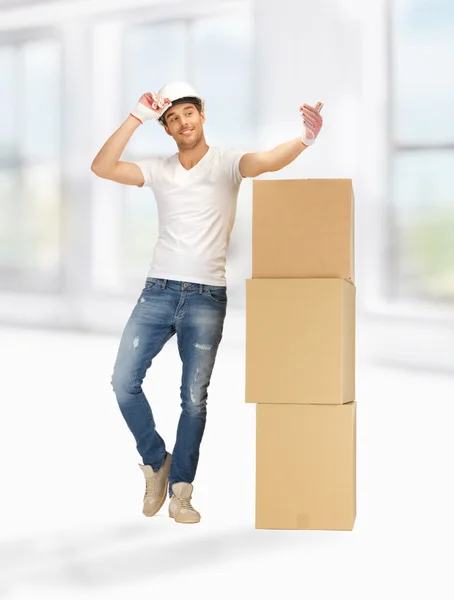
196	313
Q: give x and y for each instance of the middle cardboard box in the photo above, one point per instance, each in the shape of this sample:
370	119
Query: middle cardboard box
300	341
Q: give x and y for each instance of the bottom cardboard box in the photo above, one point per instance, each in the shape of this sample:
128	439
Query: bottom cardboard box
305	466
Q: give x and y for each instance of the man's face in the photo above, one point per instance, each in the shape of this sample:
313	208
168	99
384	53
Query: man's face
185	124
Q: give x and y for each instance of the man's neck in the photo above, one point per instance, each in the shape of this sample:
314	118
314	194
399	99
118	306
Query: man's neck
189	158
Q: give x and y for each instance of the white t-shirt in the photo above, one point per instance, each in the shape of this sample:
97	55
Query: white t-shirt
196	213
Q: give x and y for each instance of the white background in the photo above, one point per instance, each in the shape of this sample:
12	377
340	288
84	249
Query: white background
71	491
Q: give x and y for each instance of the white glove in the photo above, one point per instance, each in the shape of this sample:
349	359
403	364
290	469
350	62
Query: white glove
312	123
150	106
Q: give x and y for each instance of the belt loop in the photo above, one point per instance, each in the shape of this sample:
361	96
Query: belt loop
200	288
163	284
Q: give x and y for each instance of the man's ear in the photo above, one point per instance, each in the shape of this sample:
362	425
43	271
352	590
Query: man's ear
167	130
202	117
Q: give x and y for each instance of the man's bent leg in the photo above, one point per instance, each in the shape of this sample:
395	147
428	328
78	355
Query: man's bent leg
149	327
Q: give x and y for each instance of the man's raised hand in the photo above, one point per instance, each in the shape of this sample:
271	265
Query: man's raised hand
150	106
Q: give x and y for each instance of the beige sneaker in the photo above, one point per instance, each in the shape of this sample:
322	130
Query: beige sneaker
180	507
156	486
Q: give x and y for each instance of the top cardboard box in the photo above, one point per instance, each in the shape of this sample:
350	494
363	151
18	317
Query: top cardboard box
303	228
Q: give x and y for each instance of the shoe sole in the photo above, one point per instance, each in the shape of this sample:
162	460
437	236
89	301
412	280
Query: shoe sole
182	522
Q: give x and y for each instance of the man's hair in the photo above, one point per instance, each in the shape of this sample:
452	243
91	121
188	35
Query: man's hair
186	100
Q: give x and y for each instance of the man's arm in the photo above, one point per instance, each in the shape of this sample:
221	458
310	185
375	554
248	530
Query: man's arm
253	164
107	163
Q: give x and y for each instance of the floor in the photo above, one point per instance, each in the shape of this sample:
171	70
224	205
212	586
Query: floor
71	523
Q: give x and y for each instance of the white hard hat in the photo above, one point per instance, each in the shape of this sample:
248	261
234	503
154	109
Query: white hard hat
177	92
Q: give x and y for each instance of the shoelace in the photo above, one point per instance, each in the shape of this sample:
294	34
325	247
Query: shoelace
186	503
150	485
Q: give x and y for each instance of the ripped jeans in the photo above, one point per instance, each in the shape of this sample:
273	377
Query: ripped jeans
196	313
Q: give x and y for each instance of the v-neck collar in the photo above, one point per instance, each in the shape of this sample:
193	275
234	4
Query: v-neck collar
196	165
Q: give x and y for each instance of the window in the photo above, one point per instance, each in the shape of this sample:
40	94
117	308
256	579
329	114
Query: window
29	164
421	209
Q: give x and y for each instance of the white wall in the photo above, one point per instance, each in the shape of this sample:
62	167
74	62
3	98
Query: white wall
308	52
337	52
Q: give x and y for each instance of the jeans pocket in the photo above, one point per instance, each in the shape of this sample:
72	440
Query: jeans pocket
150	284
218	294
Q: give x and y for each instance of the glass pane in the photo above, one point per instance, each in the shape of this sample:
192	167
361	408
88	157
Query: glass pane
423	74
222	74
40	224
40	100
9	219
7	103
139	232
423	202
153	55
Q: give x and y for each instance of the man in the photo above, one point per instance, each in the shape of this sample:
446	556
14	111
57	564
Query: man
185	291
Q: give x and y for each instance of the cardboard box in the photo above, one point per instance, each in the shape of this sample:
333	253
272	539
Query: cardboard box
306	466
300	341
303	228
